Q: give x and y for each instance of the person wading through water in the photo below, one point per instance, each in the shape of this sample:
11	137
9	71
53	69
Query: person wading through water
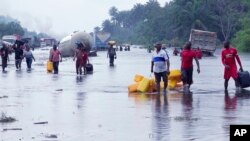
228	56
160	66
111	54
79	58
55	58
5	56
18	54
187	56
29	57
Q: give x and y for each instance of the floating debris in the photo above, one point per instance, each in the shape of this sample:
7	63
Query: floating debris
51	136
59	90
6	129
5	96
43	122
185	119
6	119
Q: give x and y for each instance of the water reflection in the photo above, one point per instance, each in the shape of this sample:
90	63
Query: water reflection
244	93
230	101
160	113
187	101
80	99
161	119
79	79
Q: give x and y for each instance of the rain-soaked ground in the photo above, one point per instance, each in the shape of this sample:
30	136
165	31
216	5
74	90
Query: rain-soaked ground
97	107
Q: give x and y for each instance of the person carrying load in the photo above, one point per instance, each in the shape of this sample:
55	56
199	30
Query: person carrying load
111	53
55	58
79	58
228	56
160	66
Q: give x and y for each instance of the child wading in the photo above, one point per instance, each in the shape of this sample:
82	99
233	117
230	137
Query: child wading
29	57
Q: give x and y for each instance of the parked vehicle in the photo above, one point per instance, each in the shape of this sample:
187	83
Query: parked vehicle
204	40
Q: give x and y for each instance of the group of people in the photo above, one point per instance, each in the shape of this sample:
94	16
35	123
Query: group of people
160	65
21	51
82	59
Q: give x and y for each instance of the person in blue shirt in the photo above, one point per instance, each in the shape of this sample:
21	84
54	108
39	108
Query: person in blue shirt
160	66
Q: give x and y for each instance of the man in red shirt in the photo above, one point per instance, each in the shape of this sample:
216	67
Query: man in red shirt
228	56
187	66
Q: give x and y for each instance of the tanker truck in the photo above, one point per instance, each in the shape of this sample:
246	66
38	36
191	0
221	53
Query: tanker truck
68	45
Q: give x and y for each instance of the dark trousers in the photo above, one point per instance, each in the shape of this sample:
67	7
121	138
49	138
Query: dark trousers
4	62
18	63
187	76
111	60
55	66
29	62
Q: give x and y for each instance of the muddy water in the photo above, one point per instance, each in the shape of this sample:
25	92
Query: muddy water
98	107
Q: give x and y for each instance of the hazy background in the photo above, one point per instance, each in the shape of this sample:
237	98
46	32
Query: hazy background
60	17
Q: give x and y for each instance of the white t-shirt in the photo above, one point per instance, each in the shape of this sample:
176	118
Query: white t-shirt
160	61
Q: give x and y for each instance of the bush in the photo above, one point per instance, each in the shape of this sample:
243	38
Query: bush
242	40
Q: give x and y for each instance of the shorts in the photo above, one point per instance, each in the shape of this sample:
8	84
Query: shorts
159	75
230	72
187	76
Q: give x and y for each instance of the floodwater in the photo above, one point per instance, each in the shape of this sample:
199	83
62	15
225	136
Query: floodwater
98	107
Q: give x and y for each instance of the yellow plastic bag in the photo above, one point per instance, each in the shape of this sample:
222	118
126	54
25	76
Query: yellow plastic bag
138	78
143	85
133	87
49	66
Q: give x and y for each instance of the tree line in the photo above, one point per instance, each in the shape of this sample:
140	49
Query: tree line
10	26
172	23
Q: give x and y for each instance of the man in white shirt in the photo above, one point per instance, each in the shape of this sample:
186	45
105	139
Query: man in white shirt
160	66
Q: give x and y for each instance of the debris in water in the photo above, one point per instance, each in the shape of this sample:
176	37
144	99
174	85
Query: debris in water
44	122
59	90
5	119
51	136
5	96
6	129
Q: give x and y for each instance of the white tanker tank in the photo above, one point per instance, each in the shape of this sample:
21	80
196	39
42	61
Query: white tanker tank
68	45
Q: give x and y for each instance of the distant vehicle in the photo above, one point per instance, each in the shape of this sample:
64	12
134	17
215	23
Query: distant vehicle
205	40
10	39
101	40
48	41
43	44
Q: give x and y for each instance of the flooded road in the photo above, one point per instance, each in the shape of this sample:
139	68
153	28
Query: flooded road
98	107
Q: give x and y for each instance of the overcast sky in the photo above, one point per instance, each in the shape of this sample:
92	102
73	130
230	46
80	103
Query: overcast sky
61	17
